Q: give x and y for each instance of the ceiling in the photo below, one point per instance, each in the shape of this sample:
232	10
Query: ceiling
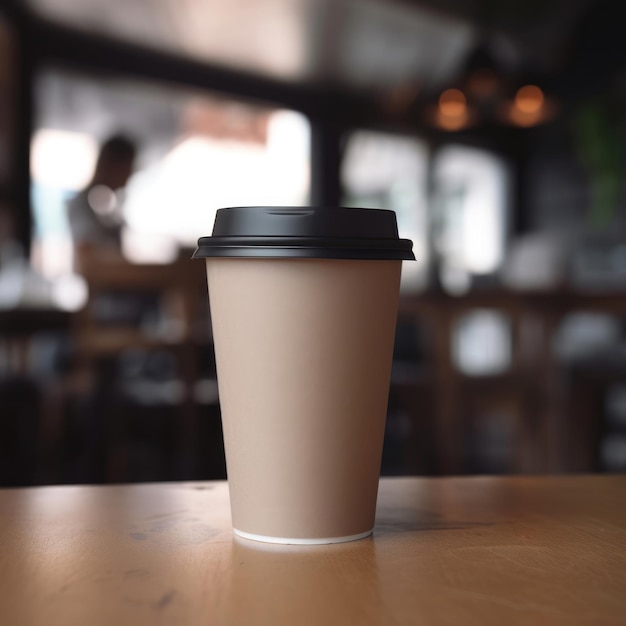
377	44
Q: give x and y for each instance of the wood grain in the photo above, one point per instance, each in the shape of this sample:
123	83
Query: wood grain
445	551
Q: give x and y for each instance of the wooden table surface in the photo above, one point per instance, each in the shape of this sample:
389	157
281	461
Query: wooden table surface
466	551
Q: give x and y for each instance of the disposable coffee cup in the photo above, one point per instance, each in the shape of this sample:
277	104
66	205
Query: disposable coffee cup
303	305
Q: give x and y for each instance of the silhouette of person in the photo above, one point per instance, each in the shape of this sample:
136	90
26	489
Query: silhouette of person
94	213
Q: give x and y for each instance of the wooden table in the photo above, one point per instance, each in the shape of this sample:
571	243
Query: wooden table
553	434
445	551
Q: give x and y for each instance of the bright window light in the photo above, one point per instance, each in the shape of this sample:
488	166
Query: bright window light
470	208
385	171
62	159
178	196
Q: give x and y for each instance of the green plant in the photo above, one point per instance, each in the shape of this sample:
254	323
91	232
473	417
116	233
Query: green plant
599	129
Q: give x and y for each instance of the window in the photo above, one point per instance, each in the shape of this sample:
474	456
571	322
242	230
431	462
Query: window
469	213
386	171
197	152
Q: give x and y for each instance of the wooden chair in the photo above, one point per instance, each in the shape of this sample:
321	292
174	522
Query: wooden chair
178	293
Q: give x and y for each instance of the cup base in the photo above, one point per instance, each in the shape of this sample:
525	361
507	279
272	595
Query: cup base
302	541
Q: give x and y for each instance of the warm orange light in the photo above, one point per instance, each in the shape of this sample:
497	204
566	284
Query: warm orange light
529	107
452	112
529	99
452	104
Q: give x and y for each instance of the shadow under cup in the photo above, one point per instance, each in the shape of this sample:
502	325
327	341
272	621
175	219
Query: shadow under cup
303	306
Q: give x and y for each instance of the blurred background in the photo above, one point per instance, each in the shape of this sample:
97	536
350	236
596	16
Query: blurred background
496	132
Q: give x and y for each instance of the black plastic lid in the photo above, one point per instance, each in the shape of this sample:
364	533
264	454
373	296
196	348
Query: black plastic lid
305	232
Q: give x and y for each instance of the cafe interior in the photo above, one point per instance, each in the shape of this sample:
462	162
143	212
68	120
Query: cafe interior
496	131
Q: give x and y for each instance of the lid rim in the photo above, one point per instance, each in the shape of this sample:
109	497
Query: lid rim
274	252
305	232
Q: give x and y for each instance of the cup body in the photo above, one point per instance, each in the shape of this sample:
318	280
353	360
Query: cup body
303	349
